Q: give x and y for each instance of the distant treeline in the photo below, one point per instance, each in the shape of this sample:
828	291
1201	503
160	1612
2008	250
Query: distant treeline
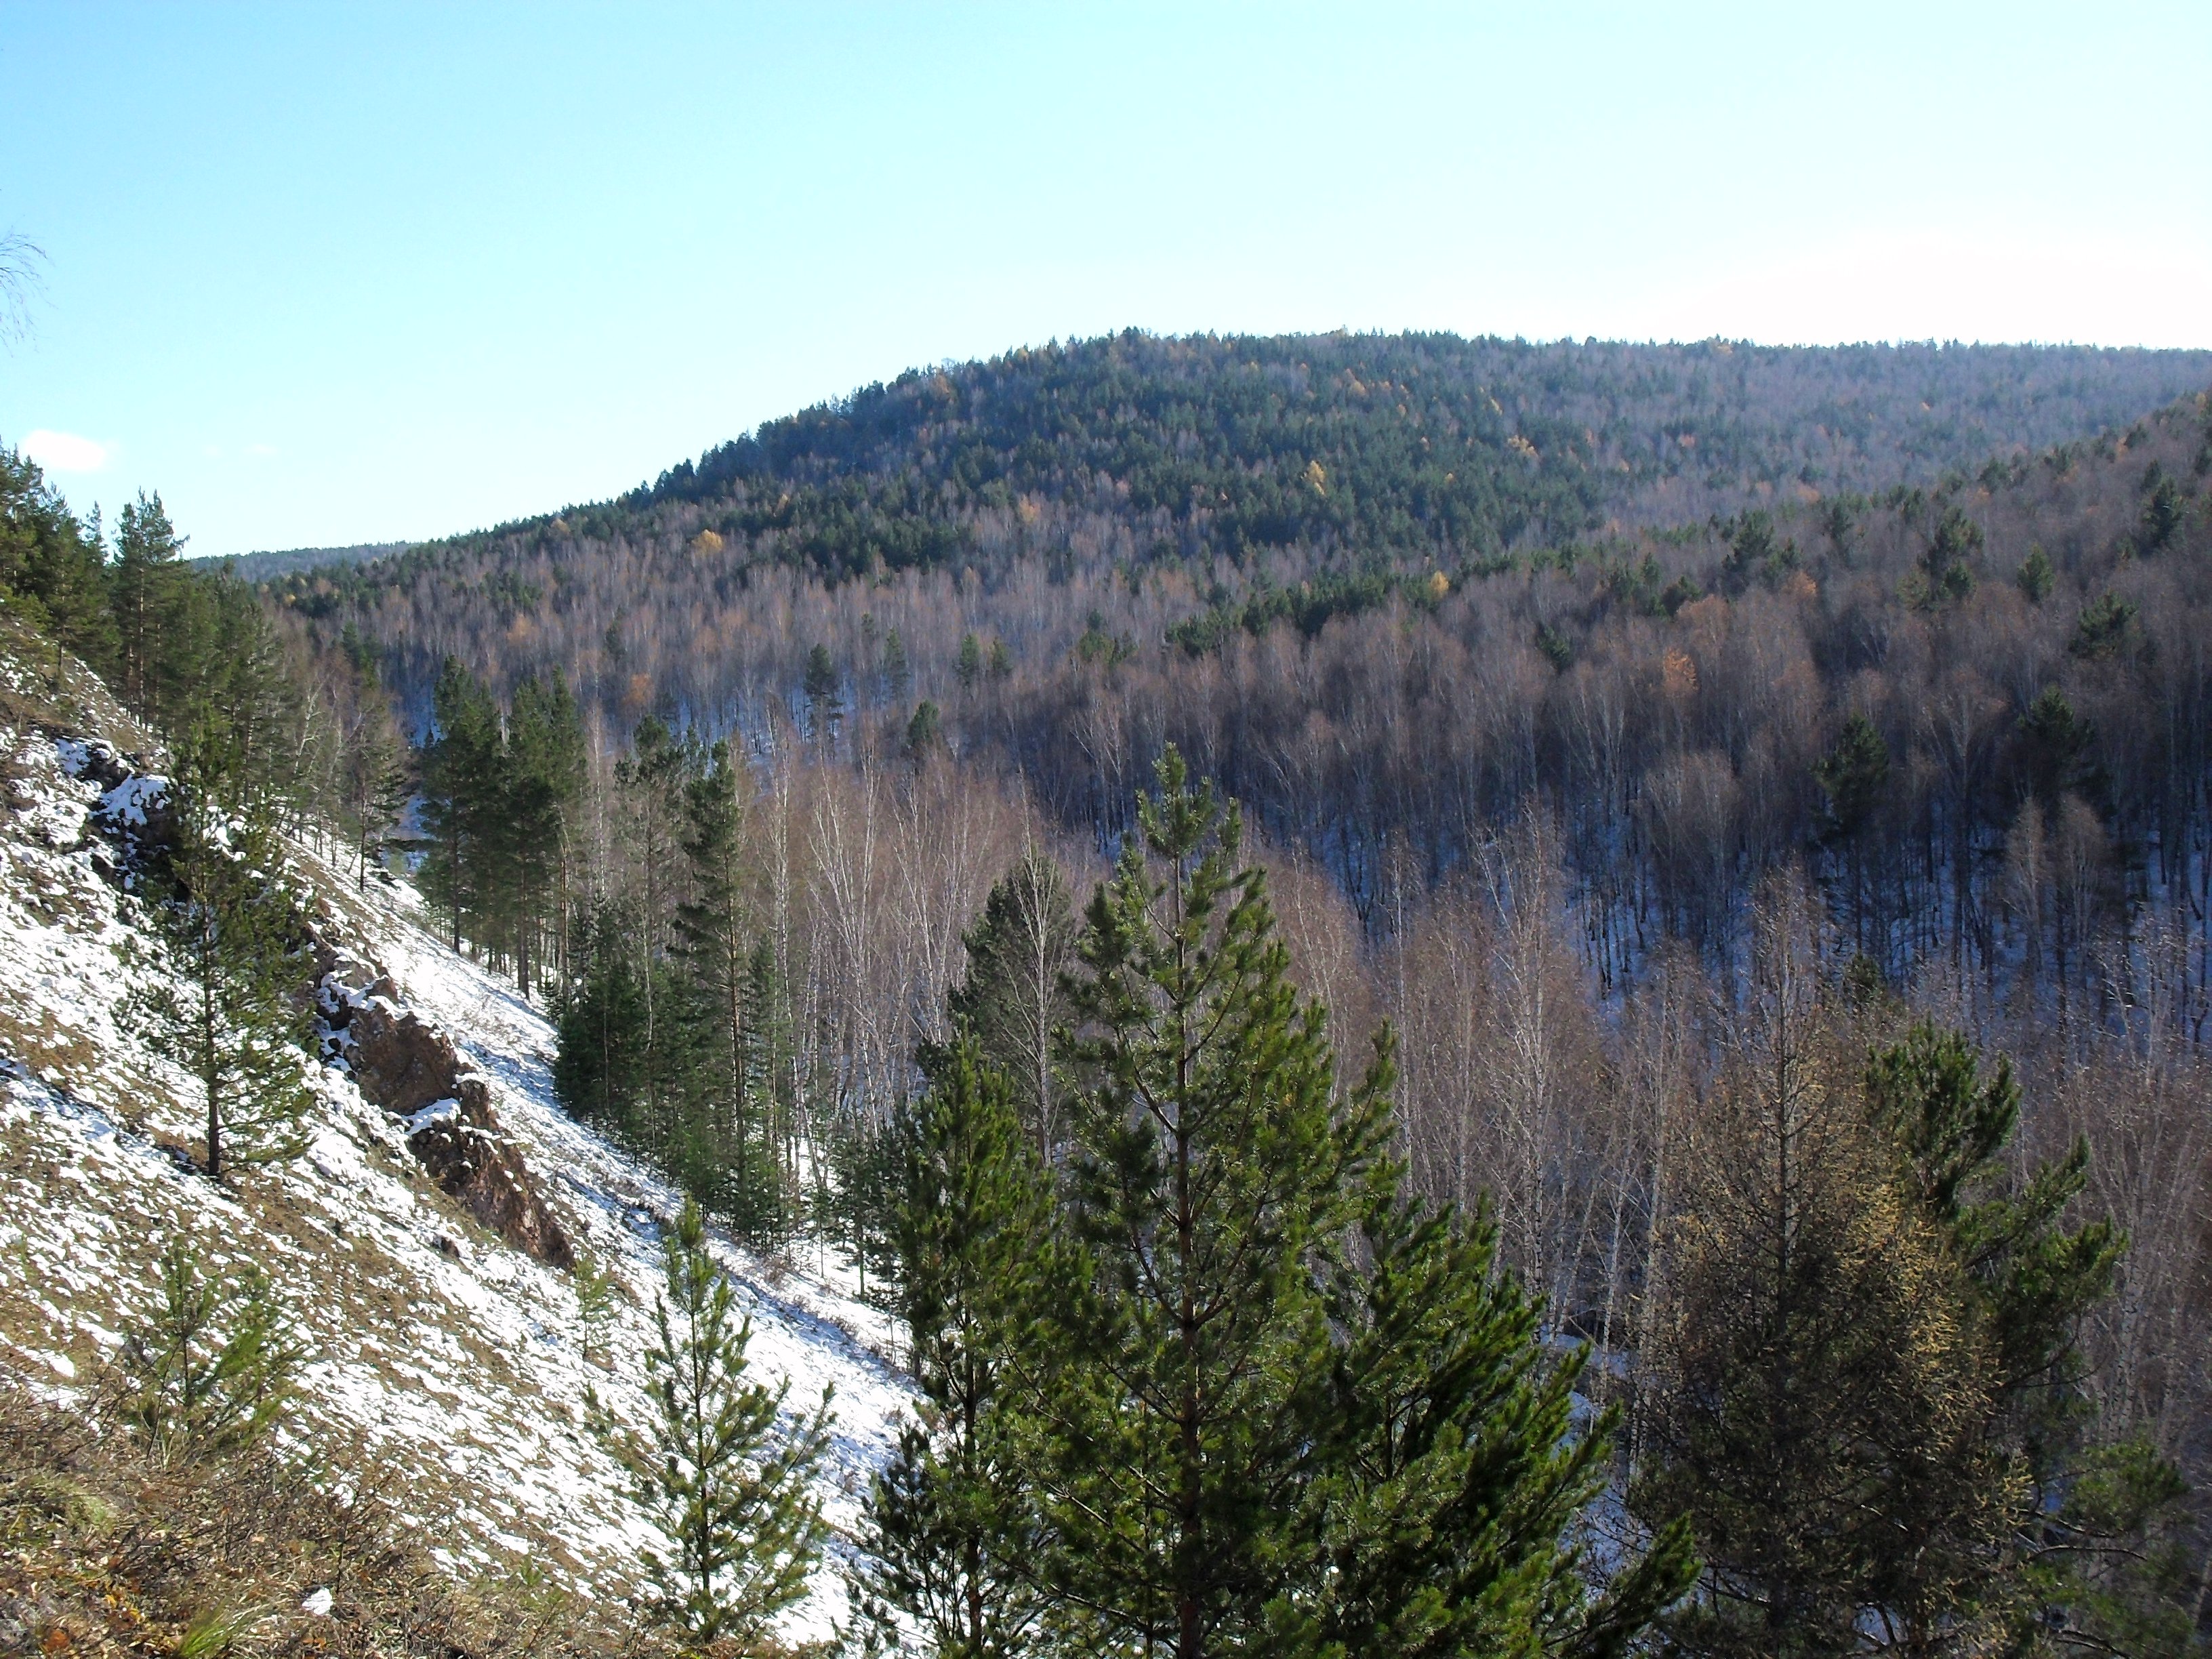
268	566
1420	448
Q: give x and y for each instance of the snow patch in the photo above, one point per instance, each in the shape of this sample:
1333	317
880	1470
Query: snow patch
131	801
436	1112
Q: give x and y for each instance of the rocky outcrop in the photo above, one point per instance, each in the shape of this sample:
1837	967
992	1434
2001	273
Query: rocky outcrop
458	1142
411	1069
136	817
401	1061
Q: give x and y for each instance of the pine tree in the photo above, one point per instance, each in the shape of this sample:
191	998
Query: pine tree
857	1207
1225	1388
222	999
652	778
953	1542
1809	1330
372	773
1869	1401
771	1091
1948	566
224	668
2055	749
213	1368
145	582
50	565
714	939
1011	996
600	1053
2021	1514
1453	1468
496	792
595	1292
1852	775
1211	1167
824	705
541	774
898	671
735	1502
2164	513
461	770
925	733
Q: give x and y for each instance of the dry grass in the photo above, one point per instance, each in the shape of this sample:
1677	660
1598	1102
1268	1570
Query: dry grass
44	687
104	1551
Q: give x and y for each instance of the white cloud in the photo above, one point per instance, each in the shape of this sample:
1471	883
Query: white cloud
64	451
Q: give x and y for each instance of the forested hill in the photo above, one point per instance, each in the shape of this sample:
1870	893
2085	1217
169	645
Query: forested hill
1426	444
1422	448
269	565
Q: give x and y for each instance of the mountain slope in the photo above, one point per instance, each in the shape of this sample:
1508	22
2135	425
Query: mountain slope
1427	444
1143	478
443	1357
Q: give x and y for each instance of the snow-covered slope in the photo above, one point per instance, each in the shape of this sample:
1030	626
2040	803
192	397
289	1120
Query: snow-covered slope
449	1368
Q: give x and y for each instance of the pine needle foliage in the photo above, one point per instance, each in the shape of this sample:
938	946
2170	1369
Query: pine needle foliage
1810	1330
211	1369
2027	1520
223	974
1868	1396
734	1499
1457	1474
953	1543
1019	952
1279	1409
1212	1169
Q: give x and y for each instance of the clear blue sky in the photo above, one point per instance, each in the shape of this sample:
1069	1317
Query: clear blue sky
329	274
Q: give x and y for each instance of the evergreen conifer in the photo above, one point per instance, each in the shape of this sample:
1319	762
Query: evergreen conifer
457	811
713	941
1454	1472
1211	1167
213	1367
1012	997
735	1501
144	582
222	998
953	1544
50	565
2019	1520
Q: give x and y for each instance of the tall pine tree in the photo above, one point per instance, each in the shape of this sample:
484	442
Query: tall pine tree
953	1543
144	582
50	565
540	775
713	941
222	998
2023	1518
1212	1167
460	768
1013	996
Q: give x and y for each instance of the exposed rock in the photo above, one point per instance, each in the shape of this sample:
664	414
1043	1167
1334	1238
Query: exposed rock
137	810
465	1153
402	1063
